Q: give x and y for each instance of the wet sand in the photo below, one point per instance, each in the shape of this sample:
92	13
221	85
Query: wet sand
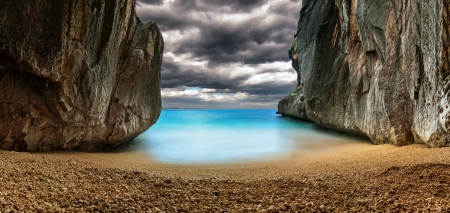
353	177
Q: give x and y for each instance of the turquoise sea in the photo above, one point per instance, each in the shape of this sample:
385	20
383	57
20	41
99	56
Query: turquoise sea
224	136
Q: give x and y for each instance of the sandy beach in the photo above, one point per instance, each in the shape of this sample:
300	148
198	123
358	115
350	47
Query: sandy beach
348	178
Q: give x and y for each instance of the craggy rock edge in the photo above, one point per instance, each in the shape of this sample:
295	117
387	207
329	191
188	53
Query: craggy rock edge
76	75
374	68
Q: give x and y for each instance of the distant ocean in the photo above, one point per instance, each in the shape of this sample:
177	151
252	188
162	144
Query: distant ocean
222	136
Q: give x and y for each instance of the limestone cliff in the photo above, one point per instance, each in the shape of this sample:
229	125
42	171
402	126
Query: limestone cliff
76	75
375	68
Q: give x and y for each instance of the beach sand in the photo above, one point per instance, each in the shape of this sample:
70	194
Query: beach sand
356	177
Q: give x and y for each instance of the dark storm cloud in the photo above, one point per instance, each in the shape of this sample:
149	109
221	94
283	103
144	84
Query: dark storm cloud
217	5
221	6
229	41
172	77
227	35
203	80
246	5
248	43
153	2
268	88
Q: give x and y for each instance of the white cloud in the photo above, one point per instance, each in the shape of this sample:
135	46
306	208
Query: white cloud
270	77
205	94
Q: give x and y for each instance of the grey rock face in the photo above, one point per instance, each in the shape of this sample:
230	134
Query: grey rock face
293	105
375	68
76	75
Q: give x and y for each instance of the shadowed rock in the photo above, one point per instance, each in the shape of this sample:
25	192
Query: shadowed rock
375	68
76	75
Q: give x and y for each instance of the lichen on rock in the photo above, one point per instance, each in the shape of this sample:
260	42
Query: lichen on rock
374	68
76	75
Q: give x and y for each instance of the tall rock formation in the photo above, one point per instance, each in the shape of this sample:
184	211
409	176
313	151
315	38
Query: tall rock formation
76	75
375	68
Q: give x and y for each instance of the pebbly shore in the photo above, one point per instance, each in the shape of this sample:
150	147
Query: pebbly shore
347	179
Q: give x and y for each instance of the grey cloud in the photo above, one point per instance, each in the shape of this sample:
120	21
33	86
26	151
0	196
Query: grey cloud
225	44
153	2
195	102
239	6
251	41
234	6
175	76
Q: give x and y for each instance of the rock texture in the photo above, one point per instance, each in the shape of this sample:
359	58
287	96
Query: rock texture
375	68
76	75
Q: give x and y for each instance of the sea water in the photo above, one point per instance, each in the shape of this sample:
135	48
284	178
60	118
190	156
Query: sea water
223	136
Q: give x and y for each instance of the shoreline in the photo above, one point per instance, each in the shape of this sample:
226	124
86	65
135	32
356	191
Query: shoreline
347	178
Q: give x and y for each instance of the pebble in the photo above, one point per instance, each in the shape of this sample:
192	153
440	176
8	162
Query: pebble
362	202
77	188
65	204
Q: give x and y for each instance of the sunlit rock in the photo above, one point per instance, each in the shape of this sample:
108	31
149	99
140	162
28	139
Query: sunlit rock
76	75
375	68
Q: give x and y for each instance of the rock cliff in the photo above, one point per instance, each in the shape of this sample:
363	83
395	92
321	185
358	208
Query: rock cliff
76	75
375	68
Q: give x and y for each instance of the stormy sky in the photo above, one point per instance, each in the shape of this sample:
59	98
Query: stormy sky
224	53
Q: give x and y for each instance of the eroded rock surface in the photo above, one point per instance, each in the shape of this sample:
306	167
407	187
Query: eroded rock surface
375	68
76	75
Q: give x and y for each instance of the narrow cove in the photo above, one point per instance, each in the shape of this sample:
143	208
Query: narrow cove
231	136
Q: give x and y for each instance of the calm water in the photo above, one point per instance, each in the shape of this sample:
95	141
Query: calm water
222	136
